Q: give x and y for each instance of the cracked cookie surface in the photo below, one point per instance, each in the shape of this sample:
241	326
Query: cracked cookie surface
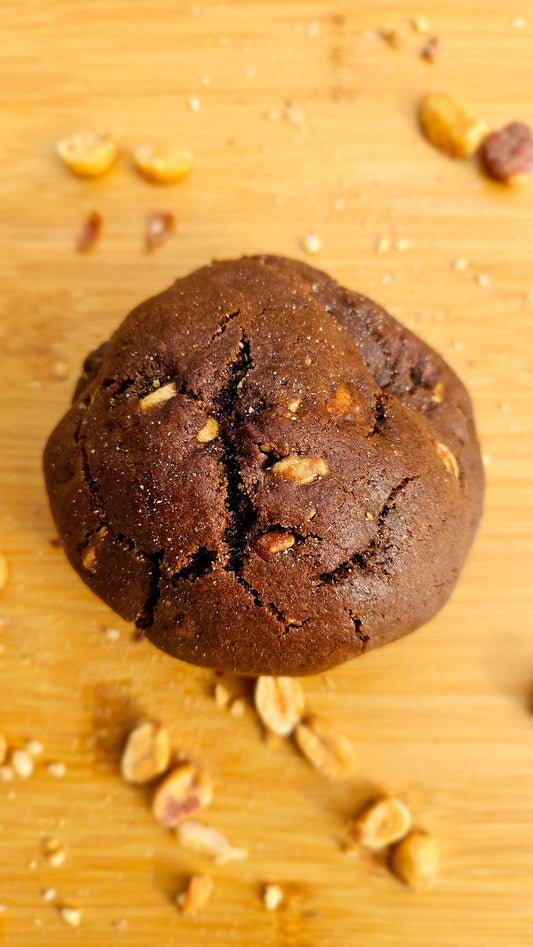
266	472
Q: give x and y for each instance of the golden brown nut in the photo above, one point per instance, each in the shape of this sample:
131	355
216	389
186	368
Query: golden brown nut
451	125
382	823
185	790
279	701
162	167
331	754
88	154
146	754
415	860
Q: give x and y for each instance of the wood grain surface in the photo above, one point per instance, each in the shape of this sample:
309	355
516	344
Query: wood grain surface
306	123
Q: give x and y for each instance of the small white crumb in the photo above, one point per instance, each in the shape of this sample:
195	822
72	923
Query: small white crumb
56	859
48	894
312	28
32	865
37	922
518	22
419	24
237	708
33	747
4	572
6	774
56	769
71	916
272	115
385	279
294	114
460	265
249	73
483	279
382	245
272	897
112	634
61	370
401	244
369	516
22	763
339	203
487	460
194	103
120	925
222	695
311	243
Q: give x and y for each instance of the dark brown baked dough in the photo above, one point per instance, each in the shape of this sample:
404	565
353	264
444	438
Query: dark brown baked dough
226	553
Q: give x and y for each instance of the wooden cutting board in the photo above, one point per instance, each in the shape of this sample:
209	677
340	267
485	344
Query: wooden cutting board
302	119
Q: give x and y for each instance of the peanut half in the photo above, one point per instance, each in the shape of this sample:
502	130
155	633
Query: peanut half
88	154
157	396
331	754
162	167
205	840
198	893
279	701
146	754
185	789
382	823
208	432
450	125
415	860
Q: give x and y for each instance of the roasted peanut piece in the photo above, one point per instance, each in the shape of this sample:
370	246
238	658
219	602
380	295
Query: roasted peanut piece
146	754
331	754
450	125
204	840
294	405
437	393
157	396
53	851
198	893
276	540
208	432
4	572
70	915
300	470
88	154
222	696
272	897
162	167
279	701
508	153
340	404
185	790
380	824
415	860
447	458
88	557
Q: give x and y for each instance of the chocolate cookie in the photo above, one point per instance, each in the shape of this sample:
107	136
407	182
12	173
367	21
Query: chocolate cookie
266	472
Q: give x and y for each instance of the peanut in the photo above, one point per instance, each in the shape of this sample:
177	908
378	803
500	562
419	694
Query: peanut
279	701
328	752
184	790
276	540
204	840
208	432
380	824
415	860
88	154
146	754
300	470
165	393
198	893
162	167
450	125
447	458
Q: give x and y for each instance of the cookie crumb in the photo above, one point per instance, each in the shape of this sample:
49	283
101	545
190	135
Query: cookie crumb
483	279
272	897
61	370
22	763
6	774
194	103
429	52
34	747
401	244
311	243
460	265
70	915
237	708
56	769
383	245
222	696
392	36
419	25
53	851
48	894
112	634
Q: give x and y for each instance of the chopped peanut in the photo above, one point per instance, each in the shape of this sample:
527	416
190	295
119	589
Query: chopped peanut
300	470
415	860
146	754
70	915
276	540
198	893
272	897
158	395
22	763
208	432
448	459
331	754
380	824
451	125
88	557
181	793
162	167
204	840
279	701
88	154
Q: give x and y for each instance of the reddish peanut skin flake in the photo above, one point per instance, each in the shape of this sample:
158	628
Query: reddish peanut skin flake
508	153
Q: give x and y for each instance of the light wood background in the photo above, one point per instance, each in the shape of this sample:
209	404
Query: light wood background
442	718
